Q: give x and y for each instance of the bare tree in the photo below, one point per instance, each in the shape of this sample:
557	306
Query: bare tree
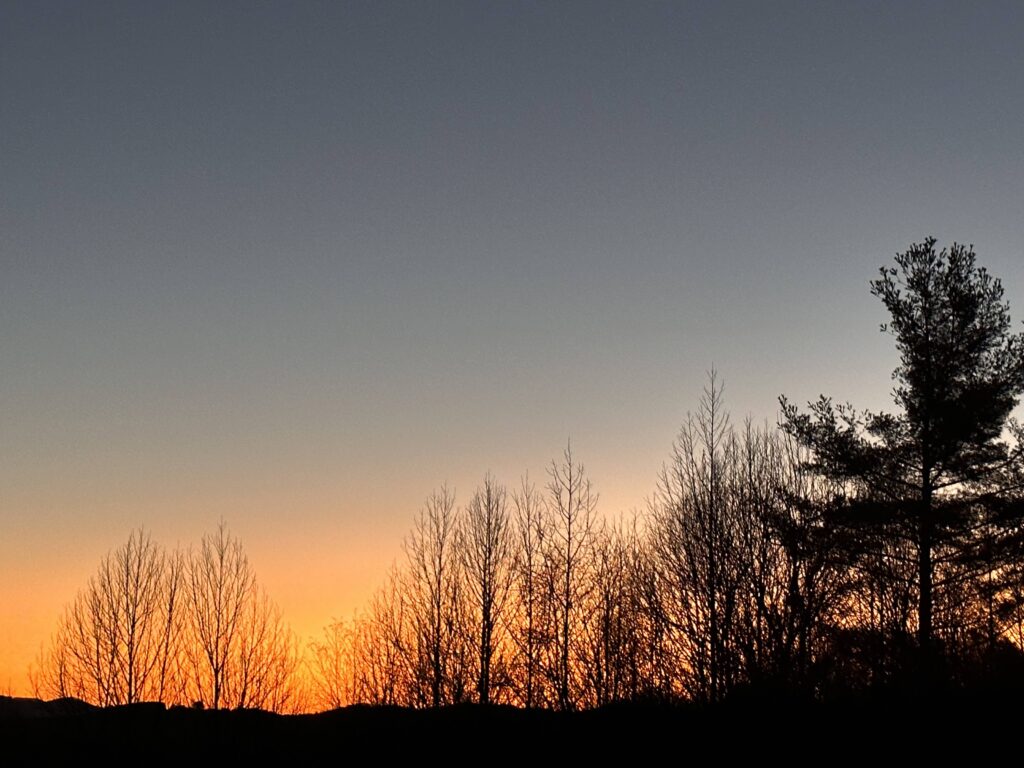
434	596
170	674
485	550
792	580
657	675
239	651
332	665
221	584
266	661
385	650
748	586
527	620
153	626
608	620
116	641
569	562
694	522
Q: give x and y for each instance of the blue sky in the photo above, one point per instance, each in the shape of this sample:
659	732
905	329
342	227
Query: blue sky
295	264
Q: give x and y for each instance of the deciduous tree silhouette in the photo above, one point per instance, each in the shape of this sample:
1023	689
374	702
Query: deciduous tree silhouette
611	626
434	594
220	586
527	620
485	551
744	584
386	650
793	582
696	544
159	626
267	662
332	662
239	651
569	559
117	641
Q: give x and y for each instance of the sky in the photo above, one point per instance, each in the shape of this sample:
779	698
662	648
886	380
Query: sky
294	265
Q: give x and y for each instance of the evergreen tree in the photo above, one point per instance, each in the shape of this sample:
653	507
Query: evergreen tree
943	474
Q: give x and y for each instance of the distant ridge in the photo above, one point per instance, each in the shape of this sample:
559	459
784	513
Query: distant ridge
15	707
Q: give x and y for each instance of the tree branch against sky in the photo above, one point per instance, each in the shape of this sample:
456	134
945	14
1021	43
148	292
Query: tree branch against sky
252	256
932	471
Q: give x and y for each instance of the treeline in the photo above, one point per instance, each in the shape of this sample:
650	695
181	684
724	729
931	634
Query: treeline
177	627
836	553
737	579
529	597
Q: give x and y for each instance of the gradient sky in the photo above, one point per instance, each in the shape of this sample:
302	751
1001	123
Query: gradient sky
296	264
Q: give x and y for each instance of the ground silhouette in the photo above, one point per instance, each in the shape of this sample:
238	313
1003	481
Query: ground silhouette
752	724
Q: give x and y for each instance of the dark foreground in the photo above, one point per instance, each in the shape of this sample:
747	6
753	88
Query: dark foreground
868	729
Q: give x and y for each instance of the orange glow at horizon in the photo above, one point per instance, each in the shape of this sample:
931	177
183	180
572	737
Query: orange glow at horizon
316	572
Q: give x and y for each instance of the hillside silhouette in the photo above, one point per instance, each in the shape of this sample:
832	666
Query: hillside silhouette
754	727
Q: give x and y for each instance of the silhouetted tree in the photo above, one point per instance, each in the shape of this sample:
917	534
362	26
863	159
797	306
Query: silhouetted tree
793	580
485	551
332	666
947	466
220	584
239	651
656	652
267	662
568	568
117	641
697	547
743	583
434	595
611	627
527	620
385	652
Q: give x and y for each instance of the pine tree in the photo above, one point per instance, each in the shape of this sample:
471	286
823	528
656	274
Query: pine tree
944	472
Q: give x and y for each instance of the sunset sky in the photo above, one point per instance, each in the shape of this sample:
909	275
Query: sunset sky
294	265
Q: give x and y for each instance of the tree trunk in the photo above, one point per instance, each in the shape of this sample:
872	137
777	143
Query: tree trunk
924	563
